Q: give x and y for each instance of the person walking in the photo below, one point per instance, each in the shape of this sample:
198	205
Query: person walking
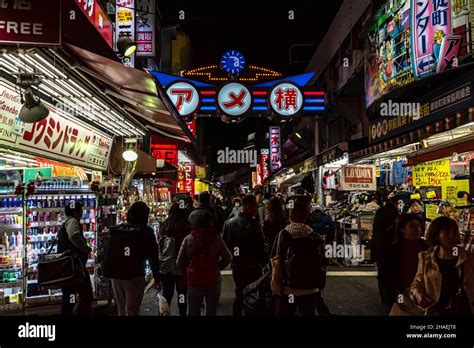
204	206
171	235
274	223
301	254
383	236
203	254
323	225
71	237
127	248
244	238
401	261
444	282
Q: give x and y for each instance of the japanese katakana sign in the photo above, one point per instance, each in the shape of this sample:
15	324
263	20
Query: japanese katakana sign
125	25
59	136
234	99
184	97
186	173
286	99
275	148
263	171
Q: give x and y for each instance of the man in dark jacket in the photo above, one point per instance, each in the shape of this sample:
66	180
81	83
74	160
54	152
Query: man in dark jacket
244	238
383	236
204	207
131	245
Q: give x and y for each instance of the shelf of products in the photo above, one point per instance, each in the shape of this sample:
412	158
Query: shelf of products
11	239
44	217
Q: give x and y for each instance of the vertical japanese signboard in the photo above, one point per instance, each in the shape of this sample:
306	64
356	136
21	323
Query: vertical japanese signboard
186	174
125	25
98	19
146	28
275	148
263	172
59	136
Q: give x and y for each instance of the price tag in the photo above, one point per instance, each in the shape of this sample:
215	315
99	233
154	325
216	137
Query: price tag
415	196
431	194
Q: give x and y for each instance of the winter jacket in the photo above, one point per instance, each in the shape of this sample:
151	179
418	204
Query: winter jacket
270	231
428	277
323	225
216	248
244	238
196	213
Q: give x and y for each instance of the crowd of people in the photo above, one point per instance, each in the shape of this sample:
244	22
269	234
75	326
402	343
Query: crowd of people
276	251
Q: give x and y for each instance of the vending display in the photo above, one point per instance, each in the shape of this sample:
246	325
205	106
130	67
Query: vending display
45	214
11	245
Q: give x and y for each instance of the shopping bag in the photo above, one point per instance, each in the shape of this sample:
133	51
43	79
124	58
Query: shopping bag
163	305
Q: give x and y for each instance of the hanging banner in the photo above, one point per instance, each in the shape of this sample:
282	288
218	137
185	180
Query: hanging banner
146	28
358	178
431	173
59	136
264	172
125	25
275	148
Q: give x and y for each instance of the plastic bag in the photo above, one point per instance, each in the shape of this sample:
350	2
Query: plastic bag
163	305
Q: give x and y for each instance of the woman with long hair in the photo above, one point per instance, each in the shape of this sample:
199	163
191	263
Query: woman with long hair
444	282
171	235
274	223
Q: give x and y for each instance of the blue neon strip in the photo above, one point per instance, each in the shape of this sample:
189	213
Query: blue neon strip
259	108
313	108
314	101
210	100
259	100
208	108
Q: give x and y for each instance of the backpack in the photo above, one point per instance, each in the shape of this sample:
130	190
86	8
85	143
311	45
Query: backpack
122	257
203	270
303	262
258	296
167	254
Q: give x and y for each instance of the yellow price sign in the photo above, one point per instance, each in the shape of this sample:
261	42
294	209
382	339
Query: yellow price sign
431	194
432	173
430	211
415	196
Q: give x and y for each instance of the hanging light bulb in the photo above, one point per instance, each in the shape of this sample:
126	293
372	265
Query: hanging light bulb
130	153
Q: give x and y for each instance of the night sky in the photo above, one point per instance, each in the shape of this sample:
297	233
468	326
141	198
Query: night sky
261	30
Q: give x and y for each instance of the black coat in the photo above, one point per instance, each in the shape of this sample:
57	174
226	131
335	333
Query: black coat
383	234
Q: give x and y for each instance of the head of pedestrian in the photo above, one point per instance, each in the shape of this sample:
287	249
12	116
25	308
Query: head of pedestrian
249	205
204	199
409	227
444	232
138	214
299	211
415	206
394	200
259	196
74	209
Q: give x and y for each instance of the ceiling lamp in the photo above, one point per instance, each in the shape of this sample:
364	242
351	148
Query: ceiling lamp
130	153
126	46
33	110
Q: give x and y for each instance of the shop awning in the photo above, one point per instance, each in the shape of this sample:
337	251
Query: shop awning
460	145
294	180
137	89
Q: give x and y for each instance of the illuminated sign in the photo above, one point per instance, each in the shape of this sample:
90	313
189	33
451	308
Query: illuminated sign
166	152
146	28
234	99
186	174
275	148
263	167
286	99
98	18
125	25
184	97
233	62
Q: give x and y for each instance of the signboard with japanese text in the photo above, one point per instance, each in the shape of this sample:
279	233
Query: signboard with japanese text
186	174
431	211
431	109
98	19
32	22
167	152
286	99
234	99
125	25
450	189
59	136
146	28
432	173
354	177
185	97
192	127
264	172
275	148
412	39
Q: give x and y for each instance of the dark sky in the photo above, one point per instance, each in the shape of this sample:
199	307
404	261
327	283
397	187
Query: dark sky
261	30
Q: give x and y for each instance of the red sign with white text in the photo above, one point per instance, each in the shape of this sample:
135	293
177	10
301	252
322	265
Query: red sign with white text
30	22
98	18
264	172
166	152
186	174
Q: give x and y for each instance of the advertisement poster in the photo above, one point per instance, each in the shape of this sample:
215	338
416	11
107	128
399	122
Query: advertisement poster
388	58
358	178
431	173
412	39
450	189
431	211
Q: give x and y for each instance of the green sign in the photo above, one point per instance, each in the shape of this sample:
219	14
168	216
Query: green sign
31	173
